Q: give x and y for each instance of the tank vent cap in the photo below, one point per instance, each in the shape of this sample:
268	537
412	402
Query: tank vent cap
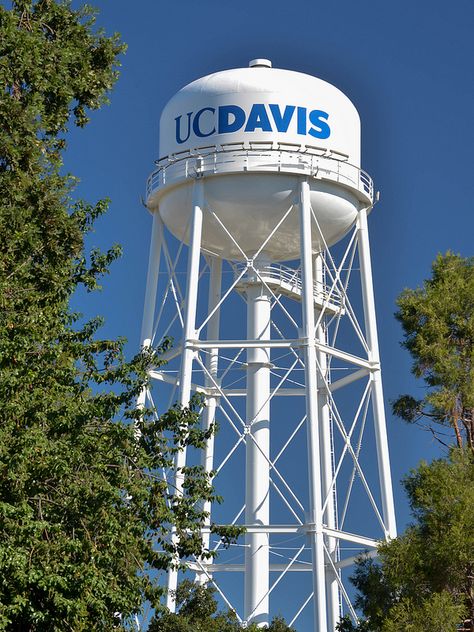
260	63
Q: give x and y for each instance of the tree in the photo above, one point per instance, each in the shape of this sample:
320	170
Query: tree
83	518
424	579
438	325
198	612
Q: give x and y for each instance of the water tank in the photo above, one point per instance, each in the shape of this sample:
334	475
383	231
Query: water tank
252	134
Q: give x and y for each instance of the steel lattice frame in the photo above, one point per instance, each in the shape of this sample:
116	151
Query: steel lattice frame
304	374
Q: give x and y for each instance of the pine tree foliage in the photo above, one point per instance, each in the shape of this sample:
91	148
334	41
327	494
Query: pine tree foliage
438	325
424	579
83	518
197	611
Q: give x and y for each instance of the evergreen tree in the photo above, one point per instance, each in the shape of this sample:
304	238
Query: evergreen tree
83	519
438	325
424	579
197	611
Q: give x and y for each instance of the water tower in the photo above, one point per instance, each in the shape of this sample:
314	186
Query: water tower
260	270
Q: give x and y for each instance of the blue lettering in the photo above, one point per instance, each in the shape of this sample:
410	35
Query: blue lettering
258	117
225	126
282	121
321	129
231	118
197	118
180	140
302	121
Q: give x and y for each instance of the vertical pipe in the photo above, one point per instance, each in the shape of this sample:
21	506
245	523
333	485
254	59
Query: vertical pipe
151	289
326	450
315	519
257	568
212	361
376	378
189	335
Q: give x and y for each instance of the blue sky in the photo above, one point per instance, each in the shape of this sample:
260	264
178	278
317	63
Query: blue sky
407	66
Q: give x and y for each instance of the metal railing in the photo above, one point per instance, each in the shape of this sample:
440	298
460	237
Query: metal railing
306	160
281	275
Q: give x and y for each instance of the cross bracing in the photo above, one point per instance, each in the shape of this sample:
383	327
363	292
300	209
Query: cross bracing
323	493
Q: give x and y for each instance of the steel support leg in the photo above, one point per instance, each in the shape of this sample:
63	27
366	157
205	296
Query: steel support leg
151	289
376	378
212	360
327	469
315	518
188	353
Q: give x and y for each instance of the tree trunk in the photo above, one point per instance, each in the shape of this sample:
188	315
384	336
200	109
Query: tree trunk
468	423
454	423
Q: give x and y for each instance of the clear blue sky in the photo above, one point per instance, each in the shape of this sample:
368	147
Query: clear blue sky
407	66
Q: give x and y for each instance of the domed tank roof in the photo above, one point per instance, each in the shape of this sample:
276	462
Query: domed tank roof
260	104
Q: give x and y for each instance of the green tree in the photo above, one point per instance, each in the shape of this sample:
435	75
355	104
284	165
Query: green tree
438	325
83	518
197	611
424	579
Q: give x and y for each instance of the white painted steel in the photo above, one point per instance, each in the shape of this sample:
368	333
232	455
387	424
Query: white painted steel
256	198
187	354
250	190
152	280
212	363
292	528
244	87
256	131
315	517
327	461
257	441
265	63
285	159
383	456
289	342
151	291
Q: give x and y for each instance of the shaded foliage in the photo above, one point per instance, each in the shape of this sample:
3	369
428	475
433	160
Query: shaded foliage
83	518
424	579
197	611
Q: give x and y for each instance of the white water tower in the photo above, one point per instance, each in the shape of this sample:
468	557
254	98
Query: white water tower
259	190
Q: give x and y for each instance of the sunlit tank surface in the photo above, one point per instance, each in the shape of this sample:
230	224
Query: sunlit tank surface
252	134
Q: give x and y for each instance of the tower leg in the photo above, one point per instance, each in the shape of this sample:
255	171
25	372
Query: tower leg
315	519
256	604
326	449
188	353
376	378
151	289
209	413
